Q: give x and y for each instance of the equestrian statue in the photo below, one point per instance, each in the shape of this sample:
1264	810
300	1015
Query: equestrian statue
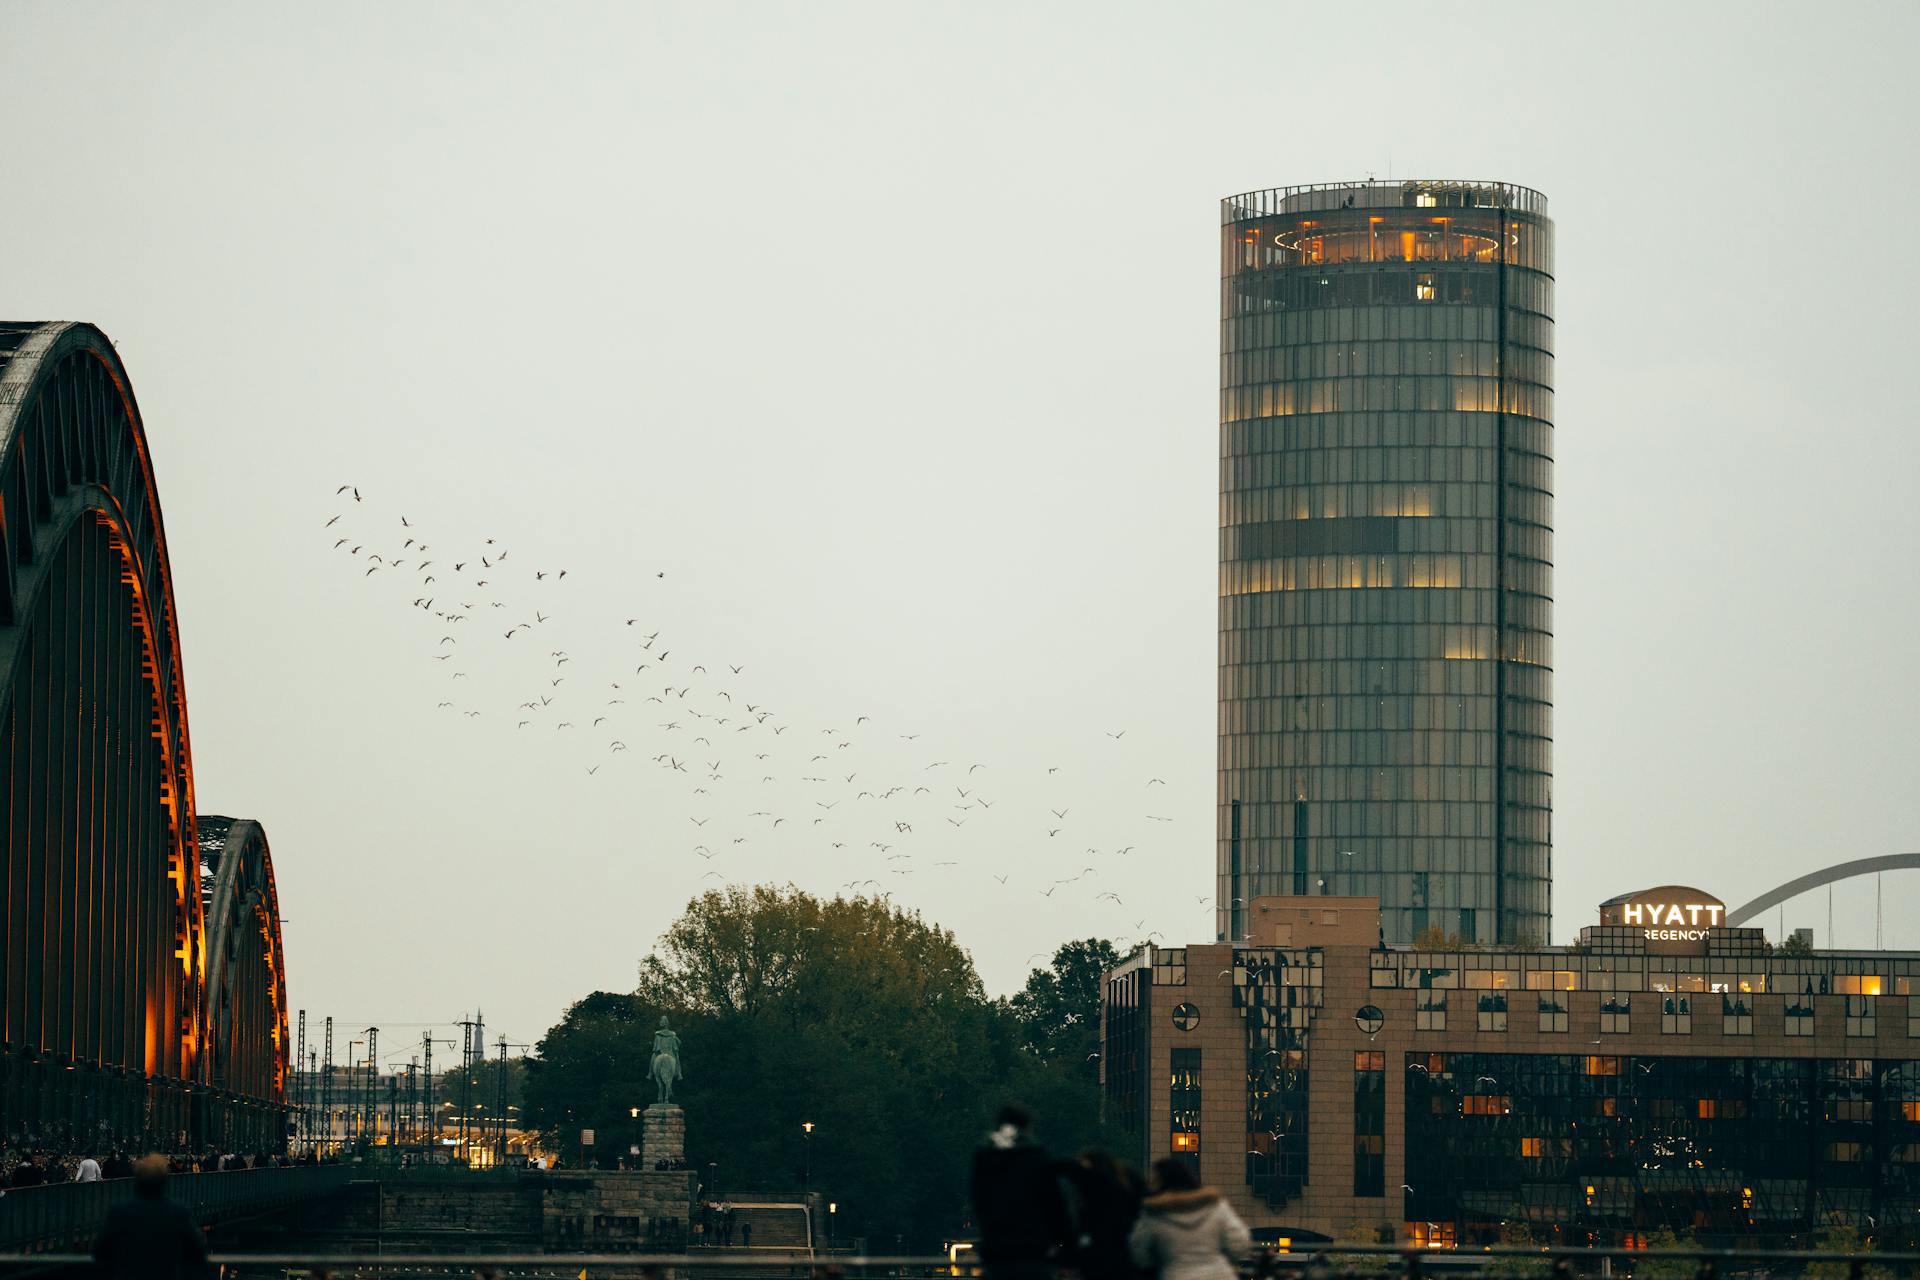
666	1061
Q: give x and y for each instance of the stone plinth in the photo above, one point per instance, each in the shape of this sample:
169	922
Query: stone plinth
663	1135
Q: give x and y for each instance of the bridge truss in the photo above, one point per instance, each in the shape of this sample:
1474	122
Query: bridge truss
111	1030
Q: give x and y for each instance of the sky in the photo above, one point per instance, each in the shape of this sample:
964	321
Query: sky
872	349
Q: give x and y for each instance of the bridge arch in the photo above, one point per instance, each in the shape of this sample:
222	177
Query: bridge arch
1825	875
103	944
247	1047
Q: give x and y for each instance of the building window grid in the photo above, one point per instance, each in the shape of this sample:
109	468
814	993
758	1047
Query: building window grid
1797	1016
1369	1123
1358	351
1860	1015
1591	1142
1184	1097
1278	992
1676	1015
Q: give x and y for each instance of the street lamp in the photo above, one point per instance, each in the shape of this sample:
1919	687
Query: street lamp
806	1127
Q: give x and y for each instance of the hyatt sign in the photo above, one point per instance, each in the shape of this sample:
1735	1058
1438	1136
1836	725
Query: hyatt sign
1674	918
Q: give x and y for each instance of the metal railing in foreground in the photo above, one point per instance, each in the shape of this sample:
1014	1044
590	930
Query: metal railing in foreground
1329	1258
61	1214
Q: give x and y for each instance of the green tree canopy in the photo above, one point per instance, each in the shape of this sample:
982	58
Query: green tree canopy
1059	1009
850	1013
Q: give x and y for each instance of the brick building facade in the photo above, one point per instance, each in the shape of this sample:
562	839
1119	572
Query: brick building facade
1651	1075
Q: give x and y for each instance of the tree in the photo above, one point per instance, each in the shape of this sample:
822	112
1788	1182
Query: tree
1845	1239
1059	1009
1667	1268
1514	1266
851	1014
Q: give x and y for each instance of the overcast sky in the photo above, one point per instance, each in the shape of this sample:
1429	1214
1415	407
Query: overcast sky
888	334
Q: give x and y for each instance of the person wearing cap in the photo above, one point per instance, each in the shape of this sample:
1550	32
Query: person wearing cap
150	1237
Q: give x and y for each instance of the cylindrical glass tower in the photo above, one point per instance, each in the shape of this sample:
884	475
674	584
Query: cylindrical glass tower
1386	525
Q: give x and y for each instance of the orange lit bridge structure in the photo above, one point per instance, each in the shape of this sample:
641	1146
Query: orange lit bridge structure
142	989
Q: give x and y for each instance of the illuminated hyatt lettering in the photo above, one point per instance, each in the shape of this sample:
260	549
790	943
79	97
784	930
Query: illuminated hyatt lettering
1671	914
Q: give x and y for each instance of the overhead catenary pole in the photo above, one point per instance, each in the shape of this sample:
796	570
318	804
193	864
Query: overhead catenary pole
500	1104
326	1086
432	1101
371	1126
468	1029
301	1084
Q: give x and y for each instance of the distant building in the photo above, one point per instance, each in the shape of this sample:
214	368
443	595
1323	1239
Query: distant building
1663	1071
339	1114
1386	513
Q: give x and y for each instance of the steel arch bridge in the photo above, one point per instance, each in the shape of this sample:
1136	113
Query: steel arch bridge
1825	875
104	988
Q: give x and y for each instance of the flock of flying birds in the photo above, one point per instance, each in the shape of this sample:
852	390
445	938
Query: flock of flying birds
508	651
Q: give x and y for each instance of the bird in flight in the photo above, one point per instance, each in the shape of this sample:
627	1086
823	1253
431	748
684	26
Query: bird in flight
1153	781
1059	813
1119	735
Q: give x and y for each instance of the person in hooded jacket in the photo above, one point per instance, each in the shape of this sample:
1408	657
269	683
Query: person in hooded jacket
1187	1231
1106	1192
1016	1201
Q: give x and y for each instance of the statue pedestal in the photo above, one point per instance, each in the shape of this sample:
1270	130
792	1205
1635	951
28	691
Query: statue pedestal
663	1135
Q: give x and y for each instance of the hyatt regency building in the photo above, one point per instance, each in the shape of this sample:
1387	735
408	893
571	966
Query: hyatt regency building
1385	655
1664	1071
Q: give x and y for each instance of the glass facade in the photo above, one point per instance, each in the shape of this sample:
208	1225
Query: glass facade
1278	992
1615	1145
1385	646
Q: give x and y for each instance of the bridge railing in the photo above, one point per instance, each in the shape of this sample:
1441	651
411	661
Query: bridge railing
1328	1259
63	1215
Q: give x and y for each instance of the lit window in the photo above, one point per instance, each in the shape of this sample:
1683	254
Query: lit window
1423	290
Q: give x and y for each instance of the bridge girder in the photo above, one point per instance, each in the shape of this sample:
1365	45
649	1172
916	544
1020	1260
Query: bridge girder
103	958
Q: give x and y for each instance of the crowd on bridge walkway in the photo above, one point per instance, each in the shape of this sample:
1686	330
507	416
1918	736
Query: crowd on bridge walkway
35	1168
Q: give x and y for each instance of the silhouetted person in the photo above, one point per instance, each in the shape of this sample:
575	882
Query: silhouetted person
1187	1231
150	1237
1016	1200
28	1173
1108	1192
